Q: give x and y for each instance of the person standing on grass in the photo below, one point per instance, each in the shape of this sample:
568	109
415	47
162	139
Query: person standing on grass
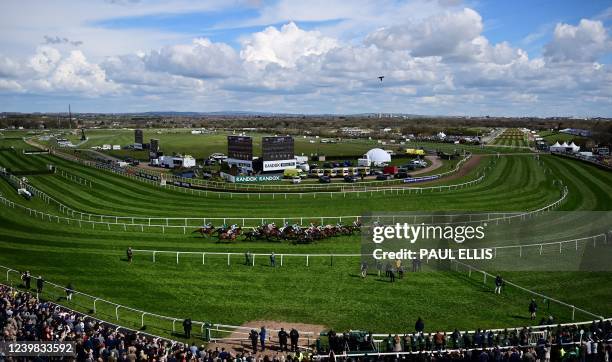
130	254
364	269
294	335
69	291
498	284
533	308
247	258
273	260
39	284
27	279
187	327
419	326
262	338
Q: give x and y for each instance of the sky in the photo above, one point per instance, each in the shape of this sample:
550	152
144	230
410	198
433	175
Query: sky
438	57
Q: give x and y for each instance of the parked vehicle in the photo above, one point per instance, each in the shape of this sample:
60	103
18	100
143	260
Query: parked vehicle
325	179
391	170
350	179
382	177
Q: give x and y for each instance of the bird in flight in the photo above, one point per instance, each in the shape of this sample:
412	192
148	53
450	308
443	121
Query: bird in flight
381	77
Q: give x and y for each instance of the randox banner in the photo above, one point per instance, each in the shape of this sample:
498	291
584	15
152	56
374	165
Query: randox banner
258	178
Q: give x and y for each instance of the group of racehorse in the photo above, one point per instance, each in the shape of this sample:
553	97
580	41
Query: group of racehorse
271	232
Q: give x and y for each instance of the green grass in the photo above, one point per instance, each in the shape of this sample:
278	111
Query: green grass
202	146
552	137
322	294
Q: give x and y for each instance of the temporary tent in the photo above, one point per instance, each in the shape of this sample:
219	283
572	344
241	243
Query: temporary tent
574	147
378	156
557	148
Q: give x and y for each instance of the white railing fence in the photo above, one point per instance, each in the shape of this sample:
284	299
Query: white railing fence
183	224
485	275
307	257
209	331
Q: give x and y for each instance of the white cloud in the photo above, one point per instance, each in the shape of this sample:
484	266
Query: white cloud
435	59
438	35
201	59
45	60
286	46
585	42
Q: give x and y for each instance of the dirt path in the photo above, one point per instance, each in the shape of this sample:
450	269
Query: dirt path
466	168
435	164
238	341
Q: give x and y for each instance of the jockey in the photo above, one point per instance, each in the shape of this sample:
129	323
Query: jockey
233	227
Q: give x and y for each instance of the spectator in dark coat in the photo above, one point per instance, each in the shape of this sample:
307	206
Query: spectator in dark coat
253	337
294	335
187	327
419	326
498	284
262	338
282	339
39	284
533	308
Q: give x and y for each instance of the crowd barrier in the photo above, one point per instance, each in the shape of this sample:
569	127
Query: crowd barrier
486	275
441	351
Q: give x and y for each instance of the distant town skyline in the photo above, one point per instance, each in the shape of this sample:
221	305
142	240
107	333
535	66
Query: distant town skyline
438	57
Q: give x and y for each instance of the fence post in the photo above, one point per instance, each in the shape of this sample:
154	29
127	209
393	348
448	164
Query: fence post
154	256
307	260
117	312
142	320
573	312
228	259
177	254
281	260
203	254
94	306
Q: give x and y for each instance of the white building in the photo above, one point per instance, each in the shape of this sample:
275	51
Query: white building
177	161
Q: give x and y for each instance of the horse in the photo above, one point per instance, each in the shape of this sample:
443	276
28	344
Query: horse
230	234
204	231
